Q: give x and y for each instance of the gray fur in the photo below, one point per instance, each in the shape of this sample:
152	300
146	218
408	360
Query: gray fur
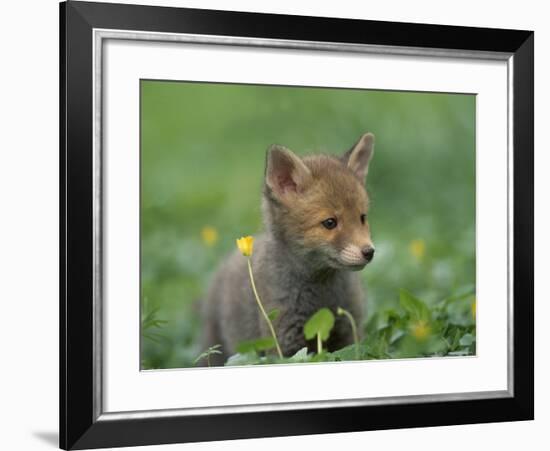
285	283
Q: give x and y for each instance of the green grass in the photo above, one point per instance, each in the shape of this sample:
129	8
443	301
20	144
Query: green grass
202	156
414	330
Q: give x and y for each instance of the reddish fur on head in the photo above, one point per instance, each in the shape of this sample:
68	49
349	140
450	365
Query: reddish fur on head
301	193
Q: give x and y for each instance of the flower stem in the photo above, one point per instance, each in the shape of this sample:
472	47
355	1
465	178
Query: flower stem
319	344
349	316
263	310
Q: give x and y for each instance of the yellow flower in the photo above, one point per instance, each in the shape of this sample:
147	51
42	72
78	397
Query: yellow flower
209	235
245	245
417	248
420	330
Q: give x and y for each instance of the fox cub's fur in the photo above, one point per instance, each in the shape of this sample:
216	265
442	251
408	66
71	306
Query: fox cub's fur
316	236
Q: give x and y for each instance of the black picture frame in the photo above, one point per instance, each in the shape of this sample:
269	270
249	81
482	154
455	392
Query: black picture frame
80	427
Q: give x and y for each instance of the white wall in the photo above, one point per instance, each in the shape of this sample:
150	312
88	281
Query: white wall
29	211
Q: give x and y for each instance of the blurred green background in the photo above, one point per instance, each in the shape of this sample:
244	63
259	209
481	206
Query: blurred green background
202	163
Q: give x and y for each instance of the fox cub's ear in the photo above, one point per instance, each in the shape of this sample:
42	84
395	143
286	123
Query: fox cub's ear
285	172
358	157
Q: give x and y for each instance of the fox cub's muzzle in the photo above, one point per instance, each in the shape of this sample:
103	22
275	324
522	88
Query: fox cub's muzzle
368	253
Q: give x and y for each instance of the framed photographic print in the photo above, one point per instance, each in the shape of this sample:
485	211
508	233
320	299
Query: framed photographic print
281	225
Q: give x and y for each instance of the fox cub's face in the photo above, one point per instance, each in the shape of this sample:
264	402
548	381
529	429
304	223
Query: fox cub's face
319	206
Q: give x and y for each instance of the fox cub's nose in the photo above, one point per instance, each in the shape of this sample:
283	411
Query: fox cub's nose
368	253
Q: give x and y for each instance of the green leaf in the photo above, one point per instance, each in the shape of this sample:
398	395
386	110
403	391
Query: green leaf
397	334
435	346
465	292
210	351
467	340
273	314
250	358
300	356
323	357
349	353
258	345
417	309
320	323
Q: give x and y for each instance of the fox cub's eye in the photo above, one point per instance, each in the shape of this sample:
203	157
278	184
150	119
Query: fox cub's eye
363	219
330	223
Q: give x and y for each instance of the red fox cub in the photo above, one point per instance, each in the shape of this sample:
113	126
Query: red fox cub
316	237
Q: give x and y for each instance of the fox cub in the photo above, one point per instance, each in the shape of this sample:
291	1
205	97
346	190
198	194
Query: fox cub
316	238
